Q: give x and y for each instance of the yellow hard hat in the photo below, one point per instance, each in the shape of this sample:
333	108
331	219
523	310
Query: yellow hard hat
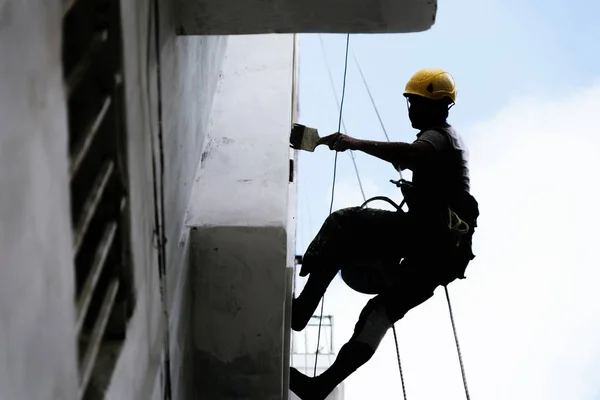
432	83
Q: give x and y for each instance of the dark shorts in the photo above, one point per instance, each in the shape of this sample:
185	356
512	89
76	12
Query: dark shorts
391	252
364	236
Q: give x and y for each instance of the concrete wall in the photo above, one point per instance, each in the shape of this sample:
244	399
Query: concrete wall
37	333
291	226
37	315
190	68
239	217
250	128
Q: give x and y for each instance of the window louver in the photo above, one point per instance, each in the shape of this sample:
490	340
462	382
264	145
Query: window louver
92	65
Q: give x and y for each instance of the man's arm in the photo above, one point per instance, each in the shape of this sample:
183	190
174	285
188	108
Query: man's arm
399	154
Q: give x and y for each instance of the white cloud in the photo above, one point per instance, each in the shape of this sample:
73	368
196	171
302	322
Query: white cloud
529	313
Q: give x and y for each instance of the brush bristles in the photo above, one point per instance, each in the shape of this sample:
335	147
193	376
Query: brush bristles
297	135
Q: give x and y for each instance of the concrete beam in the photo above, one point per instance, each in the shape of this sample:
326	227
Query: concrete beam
231	17
239	226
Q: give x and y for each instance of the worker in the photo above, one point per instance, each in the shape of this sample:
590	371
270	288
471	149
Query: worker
420	244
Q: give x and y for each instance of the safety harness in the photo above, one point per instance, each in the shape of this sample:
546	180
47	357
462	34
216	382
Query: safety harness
457	228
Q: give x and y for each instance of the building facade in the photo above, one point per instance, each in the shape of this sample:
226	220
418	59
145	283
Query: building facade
147	193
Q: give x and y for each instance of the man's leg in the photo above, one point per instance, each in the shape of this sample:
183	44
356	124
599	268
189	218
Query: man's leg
304	306
347	235
375	319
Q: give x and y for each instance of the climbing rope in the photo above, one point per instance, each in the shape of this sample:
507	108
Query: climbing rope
374	105
399	362
371	97
460	360
333	187
337	101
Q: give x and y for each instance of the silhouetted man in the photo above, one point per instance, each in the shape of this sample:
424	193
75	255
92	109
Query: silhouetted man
422	247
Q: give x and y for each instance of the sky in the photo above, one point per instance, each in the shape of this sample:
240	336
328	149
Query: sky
528	314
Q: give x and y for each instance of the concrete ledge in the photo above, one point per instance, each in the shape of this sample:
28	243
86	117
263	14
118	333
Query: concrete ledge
230	17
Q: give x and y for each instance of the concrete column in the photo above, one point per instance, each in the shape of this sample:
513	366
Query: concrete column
239	220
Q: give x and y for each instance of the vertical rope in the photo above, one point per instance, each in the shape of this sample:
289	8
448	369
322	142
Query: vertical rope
374	105
350	152
460	360
333	187
371	97
399	362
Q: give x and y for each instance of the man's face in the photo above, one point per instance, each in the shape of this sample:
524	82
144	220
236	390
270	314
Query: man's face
418	111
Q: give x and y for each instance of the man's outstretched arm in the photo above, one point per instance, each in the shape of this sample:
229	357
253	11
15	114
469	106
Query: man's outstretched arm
399	154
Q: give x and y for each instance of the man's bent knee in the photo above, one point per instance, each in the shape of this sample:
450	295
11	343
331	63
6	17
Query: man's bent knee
343	214
372	325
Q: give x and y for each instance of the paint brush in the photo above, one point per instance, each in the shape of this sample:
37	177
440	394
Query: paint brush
304	138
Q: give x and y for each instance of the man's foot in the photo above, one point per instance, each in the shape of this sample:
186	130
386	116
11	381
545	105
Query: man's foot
306	388
304	270
304	306
301	314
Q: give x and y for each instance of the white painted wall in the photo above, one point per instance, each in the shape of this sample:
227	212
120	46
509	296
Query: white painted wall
190	68
230	17
239	216
37	334
37	346
291	229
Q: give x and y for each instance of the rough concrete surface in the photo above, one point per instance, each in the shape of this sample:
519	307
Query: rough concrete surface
240	219
37	313
190	69
230	17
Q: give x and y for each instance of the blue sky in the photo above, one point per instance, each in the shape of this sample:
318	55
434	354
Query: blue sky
497	51
528	77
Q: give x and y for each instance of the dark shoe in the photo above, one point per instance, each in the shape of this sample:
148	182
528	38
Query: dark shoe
304	270
301	314
305	305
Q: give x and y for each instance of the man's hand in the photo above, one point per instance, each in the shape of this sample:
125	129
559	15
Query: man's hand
339	142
